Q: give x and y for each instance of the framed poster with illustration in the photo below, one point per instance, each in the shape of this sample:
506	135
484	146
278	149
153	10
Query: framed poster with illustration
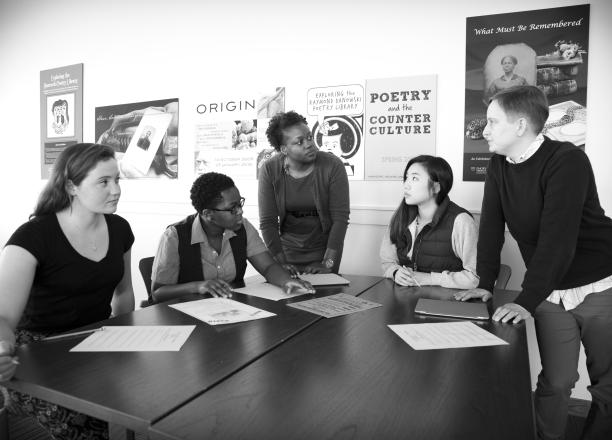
61	112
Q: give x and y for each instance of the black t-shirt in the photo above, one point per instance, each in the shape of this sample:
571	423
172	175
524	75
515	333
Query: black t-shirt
69	290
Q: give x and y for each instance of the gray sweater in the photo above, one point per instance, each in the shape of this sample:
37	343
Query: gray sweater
330	192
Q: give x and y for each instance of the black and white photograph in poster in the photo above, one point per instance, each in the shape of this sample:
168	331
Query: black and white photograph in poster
144	136
547	48
61	112
339	124
400	123
230	133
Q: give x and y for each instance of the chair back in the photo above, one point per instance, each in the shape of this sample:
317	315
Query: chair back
503	277
4	431
145	266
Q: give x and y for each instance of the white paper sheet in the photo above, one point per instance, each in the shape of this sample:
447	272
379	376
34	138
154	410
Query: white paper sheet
267	291
335	305
324	279
432	336
136	338
216	311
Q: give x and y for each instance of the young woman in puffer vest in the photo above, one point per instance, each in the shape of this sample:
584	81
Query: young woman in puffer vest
430	241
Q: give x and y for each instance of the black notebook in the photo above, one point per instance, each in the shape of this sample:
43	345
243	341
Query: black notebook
456	309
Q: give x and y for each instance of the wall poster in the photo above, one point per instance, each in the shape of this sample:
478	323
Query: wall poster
61	112
338	128
144	136
230	133
400	123
547	48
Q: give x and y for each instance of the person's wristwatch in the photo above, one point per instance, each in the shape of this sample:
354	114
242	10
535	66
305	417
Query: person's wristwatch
328	263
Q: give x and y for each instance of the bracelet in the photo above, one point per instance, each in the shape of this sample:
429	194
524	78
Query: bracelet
328	263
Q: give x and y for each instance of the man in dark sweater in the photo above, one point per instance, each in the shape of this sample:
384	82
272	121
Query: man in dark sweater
545	192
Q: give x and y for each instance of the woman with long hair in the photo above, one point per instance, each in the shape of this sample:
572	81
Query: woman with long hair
67	267
431	240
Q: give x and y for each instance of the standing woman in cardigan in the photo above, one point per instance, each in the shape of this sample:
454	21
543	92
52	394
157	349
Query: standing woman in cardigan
67	267
431	241
303	199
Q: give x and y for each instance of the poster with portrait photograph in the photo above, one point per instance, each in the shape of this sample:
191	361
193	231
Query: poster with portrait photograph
230	132
547	48
61	112
144	136
400	123
335	115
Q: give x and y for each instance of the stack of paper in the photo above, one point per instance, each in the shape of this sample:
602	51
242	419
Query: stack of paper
335	305
324	279
137	338
216	311
430	336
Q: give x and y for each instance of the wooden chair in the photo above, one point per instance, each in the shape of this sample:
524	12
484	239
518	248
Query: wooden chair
503	277
145	266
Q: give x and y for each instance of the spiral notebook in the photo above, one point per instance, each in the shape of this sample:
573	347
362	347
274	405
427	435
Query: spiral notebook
455	309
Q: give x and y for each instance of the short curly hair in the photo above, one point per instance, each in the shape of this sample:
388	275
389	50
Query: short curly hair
206	190
278	123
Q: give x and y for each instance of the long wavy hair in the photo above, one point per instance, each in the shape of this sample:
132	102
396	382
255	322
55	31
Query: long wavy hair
73	164
439	171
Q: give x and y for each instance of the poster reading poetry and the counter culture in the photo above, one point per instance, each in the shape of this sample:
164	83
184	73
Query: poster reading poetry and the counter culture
144	136
61	112
336	120
547	48
230	132
400	123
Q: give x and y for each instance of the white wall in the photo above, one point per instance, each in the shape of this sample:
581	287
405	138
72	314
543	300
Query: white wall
145	50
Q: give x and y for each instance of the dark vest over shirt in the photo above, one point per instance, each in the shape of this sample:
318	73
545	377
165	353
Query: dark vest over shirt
190	260
433	248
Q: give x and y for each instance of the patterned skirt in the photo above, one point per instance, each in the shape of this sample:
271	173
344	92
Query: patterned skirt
60	422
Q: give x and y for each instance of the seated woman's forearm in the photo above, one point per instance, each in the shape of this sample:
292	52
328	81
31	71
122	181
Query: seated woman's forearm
275	274
171	291
122	302
464	279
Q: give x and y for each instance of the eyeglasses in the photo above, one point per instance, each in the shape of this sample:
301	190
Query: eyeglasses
234	209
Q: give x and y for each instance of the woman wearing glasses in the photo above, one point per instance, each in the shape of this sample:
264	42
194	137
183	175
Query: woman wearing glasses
303	199
207	252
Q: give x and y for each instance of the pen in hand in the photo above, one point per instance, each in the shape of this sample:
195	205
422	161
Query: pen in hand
412	276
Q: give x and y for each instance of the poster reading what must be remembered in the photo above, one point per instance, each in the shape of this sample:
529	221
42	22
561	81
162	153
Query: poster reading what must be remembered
547	48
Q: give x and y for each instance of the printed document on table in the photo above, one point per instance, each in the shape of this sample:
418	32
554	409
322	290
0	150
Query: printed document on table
267	291
335	305
432	336
216	311
324	279
137	338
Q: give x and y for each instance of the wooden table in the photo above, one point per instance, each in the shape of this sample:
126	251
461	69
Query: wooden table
137	388
352	377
